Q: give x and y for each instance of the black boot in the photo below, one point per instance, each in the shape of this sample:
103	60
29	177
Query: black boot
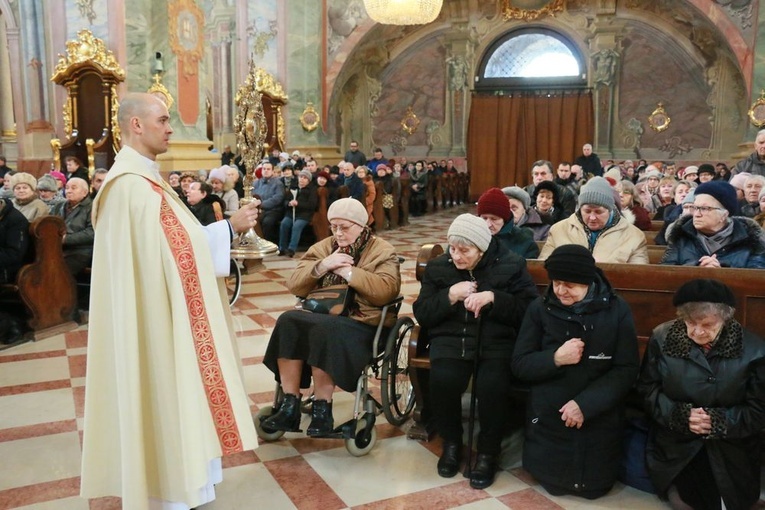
322	422
288	417
449	463
482	474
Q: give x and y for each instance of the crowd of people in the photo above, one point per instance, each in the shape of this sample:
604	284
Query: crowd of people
574	348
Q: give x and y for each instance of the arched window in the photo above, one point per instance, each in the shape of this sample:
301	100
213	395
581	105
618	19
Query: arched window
529	58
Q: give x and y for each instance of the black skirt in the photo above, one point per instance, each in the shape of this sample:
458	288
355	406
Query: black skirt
340	346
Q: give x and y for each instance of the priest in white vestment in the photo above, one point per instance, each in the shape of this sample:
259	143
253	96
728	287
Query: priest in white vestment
164	397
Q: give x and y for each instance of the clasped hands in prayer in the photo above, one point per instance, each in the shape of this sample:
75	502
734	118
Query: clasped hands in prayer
570	353
339	263
473	300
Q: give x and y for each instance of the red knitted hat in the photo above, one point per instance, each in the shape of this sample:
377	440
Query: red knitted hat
493	201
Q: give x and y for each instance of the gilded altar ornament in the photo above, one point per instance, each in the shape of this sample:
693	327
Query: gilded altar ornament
115	110
757	111
659	120
67	117
309	119
529	10
86	49
159	90
410	121
280	130
265	83
251	130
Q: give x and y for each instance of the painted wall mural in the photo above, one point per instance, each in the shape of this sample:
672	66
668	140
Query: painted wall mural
90	14
262	34
653	72
416	80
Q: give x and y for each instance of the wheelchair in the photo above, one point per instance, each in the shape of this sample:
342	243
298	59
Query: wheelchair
390	365
234	282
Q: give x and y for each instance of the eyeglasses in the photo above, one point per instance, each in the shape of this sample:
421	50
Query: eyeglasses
340	228
703	209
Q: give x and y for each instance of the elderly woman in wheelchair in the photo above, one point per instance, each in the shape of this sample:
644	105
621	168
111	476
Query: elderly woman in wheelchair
332	349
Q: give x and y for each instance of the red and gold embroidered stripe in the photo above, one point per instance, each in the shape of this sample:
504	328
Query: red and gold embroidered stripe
207	356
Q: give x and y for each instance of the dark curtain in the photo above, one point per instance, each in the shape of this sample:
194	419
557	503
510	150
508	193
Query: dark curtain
506	134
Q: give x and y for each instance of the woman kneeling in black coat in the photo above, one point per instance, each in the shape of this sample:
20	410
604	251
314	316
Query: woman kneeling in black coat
578	349
703	379
477	271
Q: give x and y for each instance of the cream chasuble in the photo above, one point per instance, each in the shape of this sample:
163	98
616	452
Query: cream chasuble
164	394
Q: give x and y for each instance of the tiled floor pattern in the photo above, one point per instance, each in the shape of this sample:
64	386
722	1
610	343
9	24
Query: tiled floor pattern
42	388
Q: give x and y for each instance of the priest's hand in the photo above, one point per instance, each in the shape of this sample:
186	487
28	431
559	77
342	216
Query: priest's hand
246	217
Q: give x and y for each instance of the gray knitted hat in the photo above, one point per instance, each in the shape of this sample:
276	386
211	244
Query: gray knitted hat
518	194
472	228
597	191
306	173
47	183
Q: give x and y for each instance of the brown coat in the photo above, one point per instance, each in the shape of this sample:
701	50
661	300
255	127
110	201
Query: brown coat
375	279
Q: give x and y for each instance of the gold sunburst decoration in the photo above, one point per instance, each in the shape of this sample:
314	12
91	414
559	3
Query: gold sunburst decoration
87	49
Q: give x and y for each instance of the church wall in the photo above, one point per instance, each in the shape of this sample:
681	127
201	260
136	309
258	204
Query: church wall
416	80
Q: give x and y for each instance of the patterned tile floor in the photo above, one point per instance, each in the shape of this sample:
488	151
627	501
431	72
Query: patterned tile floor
42	387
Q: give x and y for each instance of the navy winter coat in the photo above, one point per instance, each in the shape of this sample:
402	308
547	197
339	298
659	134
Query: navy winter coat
746	250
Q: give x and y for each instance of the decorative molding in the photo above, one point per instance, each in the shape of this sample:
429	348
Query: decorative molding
410	121
86	9
260	39
605	62
309	119
280	129
539	9
186	25
659	119
757	111
87	49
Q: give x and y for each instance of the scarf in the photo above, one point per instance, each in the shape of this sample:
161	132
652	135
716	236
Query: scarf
714	242
354	250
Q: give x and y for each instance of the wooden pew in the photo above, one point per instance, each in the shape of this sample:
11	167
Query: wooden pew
319	222
648	289
650	236
44	285
406	192
656	225
655	252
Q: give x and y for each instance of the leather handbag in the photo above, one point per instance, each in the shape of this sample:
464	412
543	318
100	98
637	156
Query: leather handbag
331	300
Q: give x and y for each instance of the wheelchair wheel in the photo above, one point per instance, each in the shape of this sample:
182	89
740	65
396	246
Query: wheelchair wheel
364	440
396	387
234	282
265	433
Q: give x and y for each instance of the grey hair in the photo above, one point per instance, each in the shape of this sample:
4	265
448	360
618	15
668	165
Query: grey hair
460	241
100	171
701	309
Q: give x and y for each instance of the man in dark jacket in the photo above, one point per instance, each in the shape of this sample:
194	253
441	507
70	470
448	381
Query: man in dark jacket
456	287
352	182
270	189
78	240
755	162
542	170
14	240
355	156
589	161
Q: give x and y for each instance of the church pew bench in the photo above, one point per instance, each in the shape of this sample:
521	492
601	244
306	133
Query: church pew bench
44	286
648	289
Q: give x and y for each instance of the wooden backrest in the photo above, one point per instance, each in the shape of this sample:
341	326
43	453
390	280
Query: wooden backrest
320	223
377	207
46	287
425	255
655	252
656	225
649	290
650	236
